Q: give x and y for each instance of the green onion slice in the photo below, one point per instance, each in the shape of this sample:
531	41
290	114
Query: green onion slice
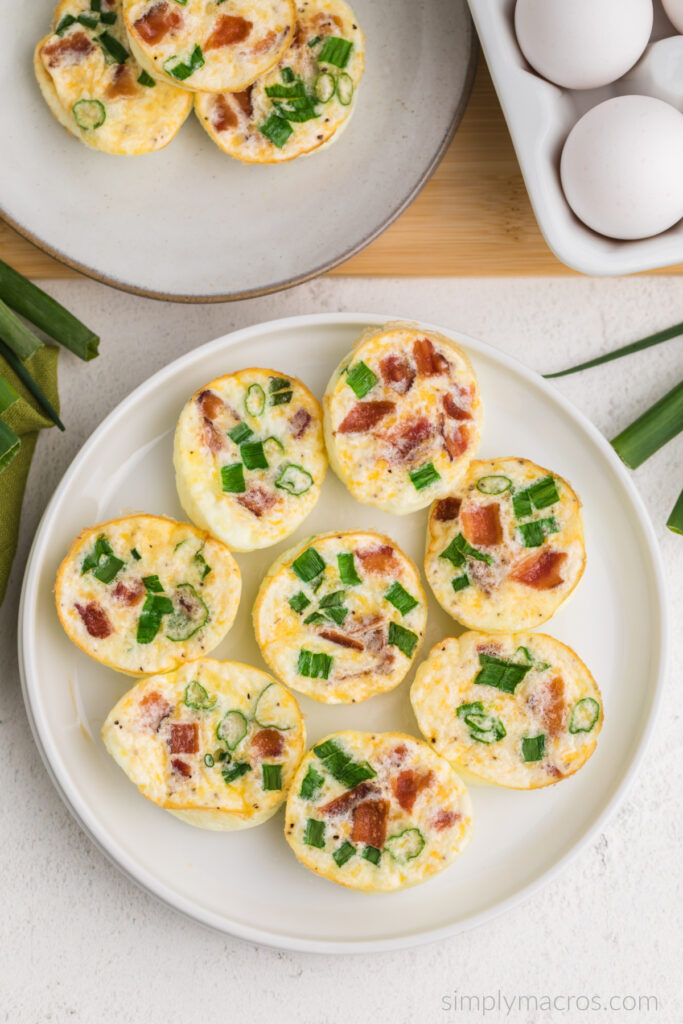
332	600
276	130
675	520
361	379
504	675
281	398
484	728
179	69
189	615
197	697
266	708
298	602
308	565
271	776
136	554
494	484
153	584
286	92
311	784
424	476
204	567
232	478
400	598
232	729
89	114
255	400
88	20
314	665
372	854
343	853
347	569
325	87
585	714
533	748
277	447
403	638
460	582
315	833
209	761
299	109
8	395
294	479
253	455
651	431
153	610
406	845
345	89
335	51
102	561
314	41
287	75
66	22
113	48
459	550
534	533
540	495
240	433
108	17
235	771
147	80
341	766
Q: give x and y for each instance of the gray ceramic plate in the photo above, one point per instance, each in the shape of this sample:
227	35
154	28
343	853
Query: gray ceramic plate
188	222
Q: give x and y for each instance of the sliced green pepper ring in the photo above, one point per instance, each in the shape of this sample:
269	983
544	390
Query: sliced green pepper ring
325	87
89	114
345	89
585	714
405	846
232	729
494	484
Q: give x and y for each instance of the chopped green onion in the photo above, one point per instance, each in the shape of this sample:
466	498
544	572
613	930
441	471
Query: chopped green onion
279	384
276	444
281	398
232	479
197	697
88	20
308	565
372	854
276	130
585	714
255	400
533	748
494	484
403	638
145	79
108	17
521	505
345	89
240	433
335	51
31	384
235	771
539	495
287	75
284	92
8	395
325	87
314	619
311	784
343	853
534	533
314	665
460	582
9	445
96	5
361	379
326	749
294	479
352	774
298	110
209	761
89	114
651	431
271	775
337	614
108	571
332	600
66	22
179	69
424	476
459	550
17	336
314	41
341	766
136	554
153	584
190	613
298	602
484	728
675	520
102	561
113	47
265	709
253	455
204	567
405	846
400	598
347	569
149	623
232	729
315	833
504	675
625	350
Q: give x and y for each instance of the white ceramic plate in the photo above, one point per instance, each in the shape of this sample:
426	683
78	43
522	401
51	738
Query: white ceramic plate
190	223
249	883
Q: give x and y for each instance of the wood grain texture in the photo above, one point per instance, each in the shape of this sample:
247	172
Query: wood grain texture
473	218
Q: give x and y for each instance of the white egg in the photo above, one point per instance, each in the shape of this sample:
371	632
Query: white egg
622	167
584	44
674	10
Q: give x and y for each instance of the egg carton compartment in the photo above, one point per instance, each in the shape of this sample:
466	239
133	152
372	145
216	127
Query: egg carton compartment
540	116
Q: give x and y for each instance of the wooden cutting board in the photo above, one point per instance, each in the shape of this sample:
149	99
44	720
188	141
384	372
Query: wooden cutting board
472	219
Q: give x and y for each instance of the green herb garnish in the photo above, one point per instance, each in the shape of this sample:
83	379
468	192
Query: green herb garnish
335	51
424	476
361	379
315	833
232	478
271	775
308	565
458	551
533	748
400	598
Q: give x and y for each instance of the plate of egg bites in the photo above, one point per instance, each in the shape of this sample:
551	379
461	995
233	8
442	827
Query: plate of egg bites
311	583
224	99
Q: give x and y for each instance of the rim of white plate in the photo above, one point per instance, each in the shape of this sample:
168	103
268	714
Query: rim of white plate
127	864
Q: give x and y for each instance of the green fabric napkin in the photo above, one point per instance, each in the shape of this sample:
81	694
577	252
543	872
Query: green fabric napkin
25	418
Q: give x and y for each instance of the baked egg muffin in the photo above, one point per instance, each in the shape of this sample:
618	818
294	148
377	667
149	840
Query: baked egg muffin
402	417
301	105
506	547
209	45
144	593
376	811
215	743
96	88
249	457
519	710
341	616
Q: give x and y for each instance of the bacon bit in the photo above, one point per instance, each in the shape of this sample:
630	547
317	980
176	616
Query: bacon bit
123	83
211	404
153	710
184	738
444	819
399	752
339	638
481	524
447	509
129	595
380	559
456	412
490	648
342	804
257	501
397	373
228	30
554	771
548	702
181	767
456	443
158	22
74	46
222	118
265	44
541	571
245	101
363	416
268	743
95	620
370	823
299	422
211	437
408	785
429	362
410	436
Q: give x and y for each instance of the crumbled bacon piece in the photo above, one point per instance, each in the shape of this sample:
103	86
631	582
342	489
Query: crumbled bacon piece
397	373
410	436
481	524
153	710
548	702
70	49
370	823
299	422
541	571
181	767
364	416
408	785
184	738
456	441
268	742
554	771
95	620
342	804
130	594
455	411
257	501
228	30
265	44
399	752
212	438
380	559
222	117
326	20
341	639
123	83
211	404
244	99
444	819
429	362
158	22
447	509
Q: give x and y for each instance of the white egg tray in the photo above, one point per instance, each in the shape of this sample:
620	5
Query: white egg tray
540	116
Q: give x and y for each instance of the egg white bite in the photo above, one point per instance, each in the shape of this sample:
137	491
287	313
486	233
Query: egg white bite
204	45
249	457
301	105
376	811
403	417
95	87
519	710
506	547
145	593
216	743
341	616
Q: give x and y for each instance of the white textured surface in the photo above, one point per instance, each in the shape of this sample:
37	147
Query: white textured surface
81	943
